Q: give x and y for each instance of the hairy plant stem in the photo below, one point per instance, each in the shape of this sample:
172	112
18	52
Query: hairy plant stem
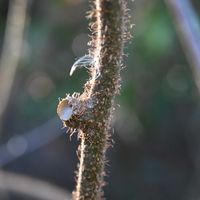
92	109
108	45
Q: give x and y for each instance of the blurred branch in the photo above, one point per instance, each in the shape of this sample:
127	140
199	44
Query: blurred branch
33	140
11	50
30	187
188	28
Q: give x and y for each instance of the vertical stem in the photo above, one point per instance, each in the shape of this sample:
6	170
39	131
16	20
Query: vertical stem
188	27
107	48
12	45
92	158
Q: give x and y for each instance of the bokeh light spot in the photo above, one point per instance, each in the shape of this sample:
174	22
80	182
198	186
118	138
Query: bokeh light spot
79	45
39	86
17	145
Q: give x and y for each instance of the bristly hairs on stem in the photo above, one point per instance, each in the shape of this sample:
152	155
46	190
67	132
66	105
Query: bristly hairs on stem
91	111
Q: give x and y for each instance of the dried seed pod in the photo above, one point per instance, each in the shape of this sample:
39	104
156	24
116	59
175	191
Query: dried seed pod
64	110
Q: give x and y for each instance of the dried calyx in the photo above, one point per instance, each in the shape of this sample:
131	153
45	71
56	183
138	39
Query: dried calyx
74	111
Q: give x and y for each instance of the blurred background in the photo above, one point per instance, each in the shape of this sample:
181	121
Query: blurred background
156	128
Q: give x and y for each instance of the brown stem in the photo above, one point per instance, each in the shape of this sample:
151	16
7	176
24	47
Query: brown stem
91	111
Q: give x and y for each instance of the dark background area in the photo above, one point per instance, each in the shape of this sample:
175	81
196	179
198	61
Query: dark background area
156	128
